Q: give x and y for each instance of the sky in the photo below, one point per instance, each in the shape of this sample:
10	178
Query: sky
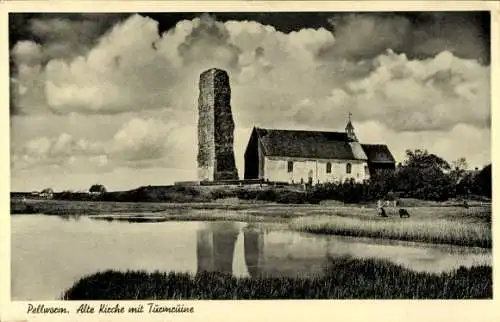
112	98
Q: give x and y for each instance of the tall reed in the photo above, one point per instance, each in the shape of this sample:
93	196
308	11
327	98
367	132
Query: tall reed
439	231
344	278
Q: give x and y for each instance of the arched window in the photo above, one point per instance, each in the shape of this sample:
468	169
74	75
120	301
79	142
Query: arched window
348	168
367	171
290	166
328	167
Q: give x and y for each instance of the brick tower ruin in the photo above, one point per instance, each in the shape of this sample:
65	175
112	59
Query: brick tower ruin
215	128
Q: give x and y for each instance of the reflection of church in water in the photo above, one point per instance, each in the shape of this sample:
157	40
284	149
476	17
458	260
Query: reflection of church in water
232	248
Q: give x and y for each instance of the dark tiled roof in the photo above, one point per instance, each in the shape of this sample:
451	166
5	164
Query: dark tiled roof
309	144
378	153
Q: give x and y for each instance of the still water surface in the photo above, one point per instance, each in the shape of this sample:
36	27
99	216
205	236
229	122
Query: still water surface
50	253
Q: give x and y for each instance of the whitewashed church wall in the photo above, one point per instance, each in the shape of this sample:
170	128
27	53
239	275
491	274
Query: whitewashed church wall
276	169
339	173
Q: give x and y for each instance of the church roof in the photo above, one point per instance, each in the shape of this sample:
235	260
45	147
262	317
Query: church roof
378	153
309	144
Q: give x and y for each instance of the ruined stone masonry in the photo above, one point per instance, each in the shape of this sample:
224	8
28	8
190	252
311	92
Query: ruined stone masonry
215	128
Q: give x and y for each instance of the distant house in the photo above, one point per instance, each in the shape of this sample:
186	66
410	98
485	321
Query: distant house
313	157
47	193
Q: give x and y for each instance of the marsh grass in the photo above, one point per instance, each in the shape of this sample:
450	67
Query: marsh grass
344	278
439	231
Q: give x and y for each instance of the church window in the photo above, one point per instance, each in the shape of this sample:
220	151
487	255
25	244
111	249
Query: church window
290	166
328	167
348	168
367	171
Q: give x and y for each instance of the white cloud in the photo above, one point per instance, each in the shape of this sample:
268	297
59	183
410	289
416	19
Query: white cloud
27	53
141	139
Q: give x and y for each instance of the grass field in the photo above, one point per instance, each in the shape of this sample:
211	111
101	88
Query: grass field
345	278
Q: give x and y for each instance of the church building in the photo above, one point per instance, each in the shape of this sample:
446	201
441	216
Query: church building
313	157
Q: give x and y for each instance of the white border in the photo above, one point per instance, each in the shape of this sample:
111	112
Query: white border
289	310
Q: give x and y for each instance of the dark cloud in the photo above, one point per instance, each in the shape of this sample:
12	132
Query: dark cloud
432	32
61	35
417	35
364	36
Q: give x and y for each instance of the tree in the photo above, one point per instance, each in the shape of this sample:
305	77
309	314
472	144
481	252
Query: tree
424	176
482	182
381	183
460	164
423	159
459	169
97	188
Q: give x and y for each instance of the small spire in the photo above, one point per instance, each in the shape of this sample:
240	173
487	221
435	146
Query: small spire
350	129
349	126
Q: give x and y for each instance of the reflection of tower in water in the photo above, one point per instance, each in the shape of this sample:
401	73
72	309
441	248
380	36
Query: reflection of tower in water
216	246
254	242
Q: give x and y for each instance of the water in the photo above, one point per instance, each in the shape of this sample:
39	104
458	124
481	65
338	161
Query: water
50	253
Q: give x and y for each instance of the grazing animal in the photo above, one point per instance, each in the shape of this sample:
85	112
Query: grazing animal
403	213
382	212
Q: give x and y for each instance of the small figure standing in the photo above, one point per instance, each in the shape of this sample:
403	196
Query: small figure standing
381	210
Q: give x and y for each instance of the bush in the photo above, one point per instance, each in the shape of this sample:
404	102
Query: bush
266	195
292	197
347	192
247	194
223	193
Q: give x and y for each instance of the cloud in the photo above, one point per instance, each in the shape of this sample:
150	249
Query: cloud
462	140
133	67
413	95
43	151
454	32
420	36
27	53
66	36
405	95
141	139
137	143
362	36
